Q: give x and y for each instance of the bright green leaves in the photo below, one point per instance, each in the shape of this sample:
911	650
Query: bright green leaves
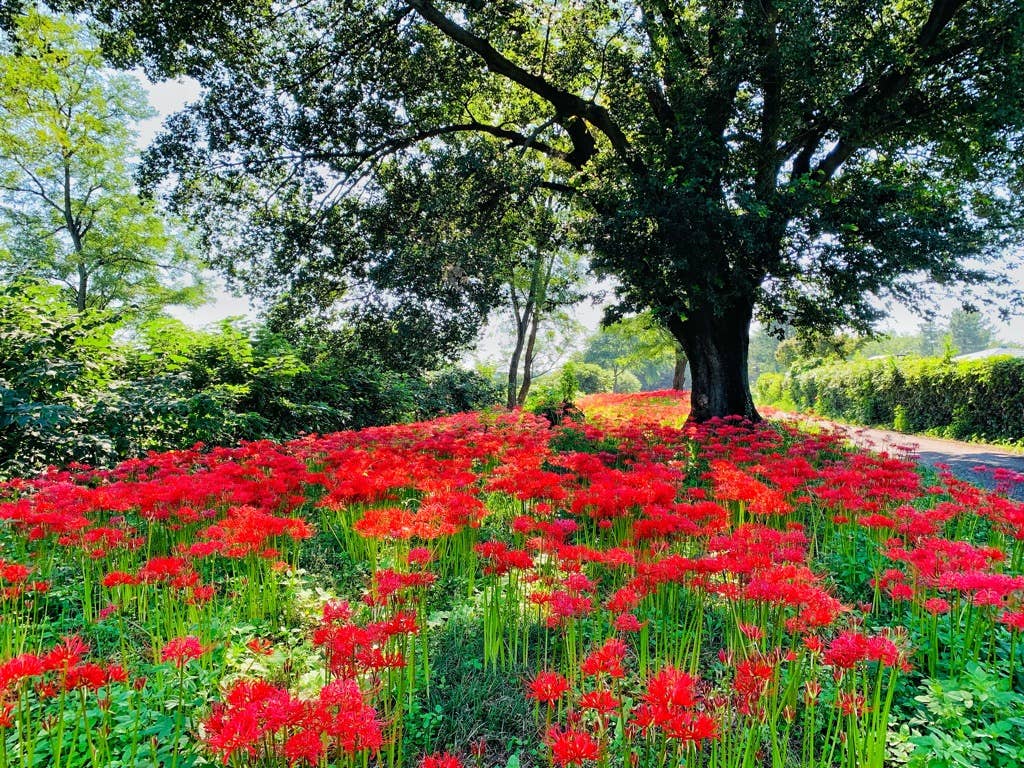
70	209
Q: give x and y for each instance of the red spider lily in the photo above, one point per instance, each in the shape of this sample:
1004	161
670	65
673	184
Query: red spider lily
181	650
500	559
851	704
23	667
753	677
441	760
606	660
597	540
601	701
628	622
254	712
260	646
388	584
120	579
572	747
850	648
1013	620
669	704
670	688
66	654
936	605
547	687
304	746
419	556
733	484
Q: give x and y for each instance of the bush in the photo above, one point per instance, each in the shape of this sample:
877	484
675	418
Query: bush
454	390
53	361
627	383
591	378
70	390
975	399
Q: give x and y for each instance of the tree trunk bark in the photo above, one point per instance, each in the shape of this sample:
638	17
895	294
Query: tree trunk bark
528	359
522	326
679	374
83	287
716	342
513	376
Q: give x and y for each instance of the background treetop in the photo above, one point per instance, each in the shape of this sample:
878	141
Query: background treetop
797	158
68	204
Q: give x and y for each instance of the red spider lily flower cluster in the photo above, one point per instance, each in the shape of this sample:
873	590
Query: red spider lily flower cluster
626	544
62	668
572	747
181	650
441	760
351	647
257	718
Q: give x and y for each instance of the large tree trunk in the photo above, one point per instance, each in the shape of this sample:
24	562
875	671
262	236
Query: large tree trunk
679	374
715	342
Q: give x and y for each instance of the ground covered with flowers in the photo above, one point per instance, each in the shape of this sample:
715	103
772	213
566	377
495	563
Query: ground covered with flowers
486	589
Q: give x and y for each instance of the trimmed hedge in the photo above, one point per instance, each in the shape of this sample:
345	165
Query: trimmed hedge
968	400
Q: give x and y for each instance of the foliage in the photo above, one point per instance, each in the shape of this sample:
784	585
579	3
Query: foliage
783	156
637	346
67	141
542	276
454	390
74	391
971	720
591	378
970	332
978	399
53	361
762	357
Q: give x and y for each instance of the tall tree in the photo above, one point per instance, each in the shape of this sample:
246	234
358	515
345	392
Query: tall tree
544	276
931	338
787	157
637	345
970	331
67	139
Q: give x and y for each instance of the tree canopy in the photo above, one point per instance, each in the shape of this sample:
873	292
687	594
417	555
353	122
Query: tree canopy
970	332
788	157
67	198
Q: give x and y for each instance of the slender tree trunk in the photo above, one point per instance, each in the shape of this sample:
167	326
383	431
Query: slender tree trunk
71	223
523	320
716	342
679	374
528	359
513	373
83	287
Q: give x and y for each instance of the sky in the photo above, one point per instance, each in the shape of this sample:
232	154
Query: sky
169	96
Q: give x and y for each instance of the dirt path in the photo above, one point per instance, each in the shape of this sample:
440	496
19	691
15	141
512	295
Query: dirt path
974	462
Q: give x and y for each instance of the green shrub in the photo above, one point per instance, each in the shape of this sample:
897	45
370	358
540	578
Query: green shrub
590	378
71	390
900	420
976	399
770	387
627	383
454	390
972	720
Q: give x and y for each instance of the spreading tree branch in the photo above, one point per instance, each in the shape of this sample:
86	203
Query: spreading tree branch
867	100
574	113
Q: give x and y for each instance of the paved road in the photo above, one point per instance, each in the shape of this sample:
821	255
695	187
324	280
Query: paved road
962	458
